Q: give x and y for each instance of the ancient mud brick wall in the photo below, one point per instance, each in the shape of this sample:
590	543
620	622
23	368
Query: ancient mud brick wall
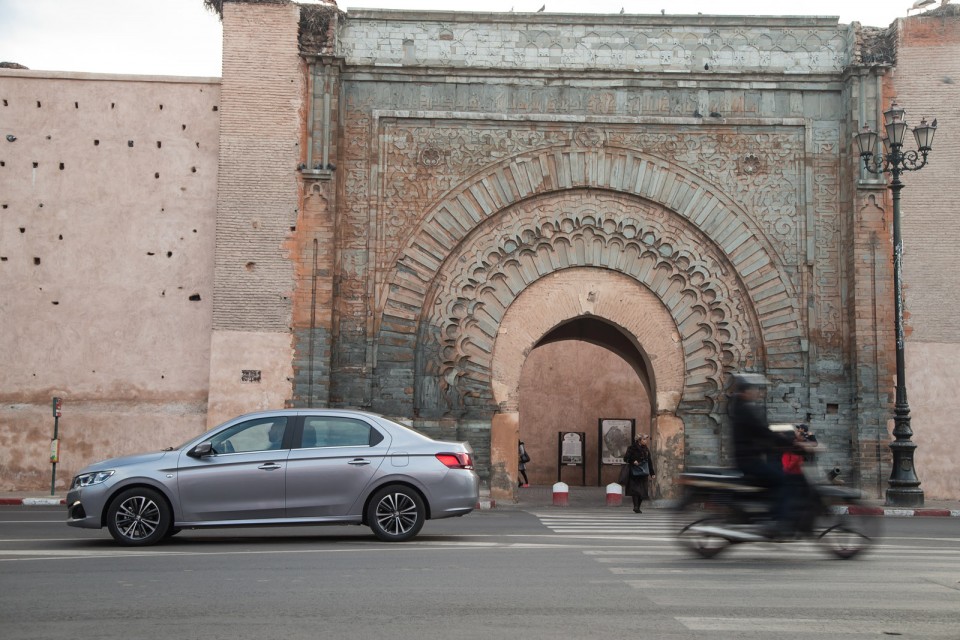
108	193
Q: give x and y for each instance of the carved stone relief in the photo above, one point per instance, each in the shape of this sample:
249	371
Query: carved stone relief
507	253
759	167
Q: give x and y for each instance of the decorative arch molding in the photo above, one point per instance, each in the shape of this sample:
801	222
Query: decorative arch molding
542	238
592	206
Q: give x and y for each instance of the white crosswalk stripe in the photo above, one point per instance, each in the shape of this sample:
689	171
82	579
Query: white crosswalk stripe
641	551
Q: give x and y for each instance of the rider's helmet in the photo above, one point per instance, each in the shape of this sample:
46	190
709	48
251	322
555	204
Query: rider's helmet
740	382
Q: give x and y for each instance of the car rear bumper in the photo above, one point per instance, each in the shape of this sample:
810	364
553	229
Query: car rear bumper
460	495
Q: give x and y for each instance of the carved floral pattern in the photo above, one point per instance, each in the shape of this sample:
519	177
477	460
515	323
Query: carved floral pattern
503	256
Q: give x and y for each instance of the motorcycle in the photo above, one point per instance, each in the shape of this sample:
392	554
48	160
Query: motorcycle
720	508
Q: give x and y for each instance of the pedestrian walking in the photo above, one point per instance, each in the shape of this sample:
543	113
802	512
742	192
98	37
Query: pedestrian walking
524	459
640	463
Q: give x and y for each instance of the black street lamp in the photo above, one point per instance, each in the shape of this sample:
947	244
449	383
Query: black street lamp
904	489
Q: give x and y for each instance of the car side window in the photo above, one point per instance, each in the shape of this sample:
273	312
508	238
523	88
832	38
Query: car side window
324	431
261	434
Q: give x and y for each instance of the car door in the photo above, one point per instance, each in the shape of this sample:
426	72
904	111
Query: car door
337	458
244	479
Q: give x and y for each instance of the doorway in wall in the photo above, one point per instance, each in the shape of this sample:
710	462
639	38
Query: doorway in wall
580	372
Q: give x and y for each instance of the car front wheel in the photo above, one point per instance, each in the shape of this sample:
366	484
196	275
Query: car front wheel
396	513
139	517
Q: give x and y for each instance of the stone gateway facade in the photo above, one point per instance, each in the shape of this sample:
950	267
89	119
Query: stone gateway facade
410	204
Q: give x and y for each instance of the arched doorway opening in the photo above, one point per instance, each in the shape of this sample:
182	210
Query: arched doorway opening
580	372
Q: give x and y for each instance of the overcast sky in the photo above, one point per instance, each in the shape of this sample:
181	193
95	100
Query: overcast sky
180	37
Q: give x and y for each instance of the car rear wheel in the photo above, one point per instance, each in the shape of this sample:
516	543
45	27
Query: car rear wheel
139	517
396	513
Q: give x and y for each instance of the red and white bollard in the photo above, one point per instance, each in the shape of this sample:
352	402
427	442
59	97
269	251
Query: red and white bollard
561	495
614	495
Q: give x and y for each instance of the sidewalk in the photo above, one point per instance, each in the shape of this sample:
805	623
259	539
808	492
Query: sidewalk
541	496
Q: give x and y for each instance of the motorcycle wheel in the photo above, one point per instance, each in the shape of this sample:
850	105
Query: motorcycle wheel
844	539
703	544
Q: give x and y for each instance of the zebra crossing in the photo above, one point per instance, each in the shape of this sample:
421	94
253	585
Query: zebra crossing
651	525
773	590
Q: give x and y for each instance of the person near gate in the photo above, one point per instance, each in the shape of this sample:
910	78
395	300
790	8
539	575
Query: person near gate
524	459
640	463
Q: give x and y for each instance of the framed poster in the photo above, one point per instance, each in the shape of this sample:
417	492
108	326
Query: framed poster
615	436
570	453
571	448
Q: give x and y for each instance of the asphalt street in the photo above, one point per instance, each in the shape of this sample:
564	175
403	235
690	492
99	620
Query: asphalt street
531	573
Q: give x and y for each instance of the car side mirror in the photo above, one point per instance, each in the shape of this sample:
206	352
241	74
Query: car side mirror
201	450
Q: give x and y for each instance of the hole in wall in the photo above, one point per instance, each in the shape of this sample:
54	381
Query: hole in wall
161	107
36	164
76	105
61	166
5	103
195	297
96	143
54	302
3	258
36	260
156	175
250	266
183	127
113	104
23	229
169	254
159	144
60	237
151	253
193	169
40	205
129	143
38	104
250	375
216	108
832	409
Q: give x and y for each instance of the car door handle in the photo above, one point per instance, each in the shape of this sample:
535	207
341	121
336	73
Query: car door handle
269	466
359	462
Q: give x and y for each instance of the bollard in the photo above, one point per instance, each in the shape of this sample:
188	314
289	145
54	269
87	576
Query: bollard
561	495
614	495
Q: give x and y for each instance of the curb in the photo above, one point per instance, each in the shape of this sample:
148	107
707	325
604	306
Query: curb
32	502
896	512
486	504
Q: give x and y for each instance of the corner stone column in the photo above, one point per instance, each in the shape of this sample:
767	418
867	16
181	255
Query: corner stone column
668	454
504	458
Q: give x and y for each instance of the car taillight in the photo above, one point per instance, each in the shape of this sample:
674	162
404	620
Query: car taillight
456	460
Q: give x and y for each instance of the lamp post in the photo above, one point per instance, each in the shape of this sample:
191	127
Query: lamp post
904	489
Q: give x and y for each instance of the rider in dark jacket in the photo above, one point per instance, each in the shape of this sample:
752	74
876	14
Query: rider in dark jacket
756	448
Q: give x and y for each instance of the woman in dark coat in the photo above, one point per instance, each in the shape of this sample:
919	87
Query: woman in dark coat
638	486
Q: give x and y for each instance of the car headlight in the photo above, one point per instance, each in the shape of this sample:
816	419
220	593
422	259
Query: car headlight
87	479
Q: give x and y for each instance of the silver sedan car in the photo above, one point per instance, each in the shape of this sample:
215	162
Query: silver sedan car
290	467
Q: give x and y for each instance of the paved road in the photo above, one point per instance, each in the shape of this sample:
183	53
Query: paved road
538	573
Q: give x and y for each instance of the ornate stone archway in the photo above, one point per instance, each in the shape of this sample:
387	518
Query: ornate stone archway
705	260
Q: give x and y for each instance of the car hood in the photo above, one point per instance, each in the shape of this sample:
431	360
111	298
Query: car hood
126	461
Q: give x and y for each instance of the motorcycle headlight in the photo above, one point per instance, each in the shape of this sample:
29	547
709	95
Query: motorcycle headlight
87	479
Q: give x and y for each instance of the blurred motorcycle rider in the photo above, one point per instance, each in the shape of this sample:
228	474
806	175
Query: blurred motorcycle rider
757	449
